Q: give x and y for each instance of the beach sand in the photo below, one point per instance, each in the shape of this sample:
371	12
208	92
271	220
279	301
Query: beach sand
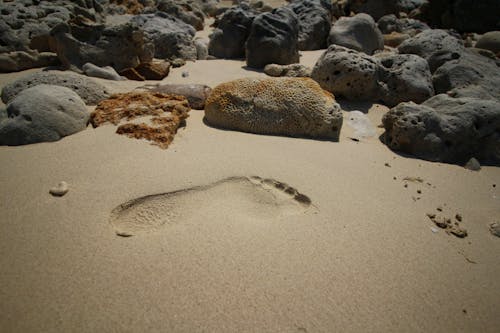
216	251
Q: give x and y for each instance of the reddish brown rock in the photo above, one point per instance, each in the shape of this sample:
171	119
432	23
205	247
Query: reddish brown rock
132	74
156	70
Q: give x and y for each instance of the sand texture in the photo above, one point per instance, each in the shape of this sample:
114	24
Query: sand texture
237	232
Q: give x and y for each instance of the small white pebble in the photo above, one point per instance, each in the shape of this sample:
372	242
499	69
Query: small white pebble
434	230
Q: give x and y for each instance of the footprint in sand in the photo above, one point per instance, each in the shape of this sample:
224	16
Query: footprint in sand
239	198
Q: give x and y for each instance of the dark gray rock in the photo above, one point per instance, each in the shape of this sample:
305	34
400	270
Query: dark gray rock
490	41
273	39
90	91
41	114
314	23
446	129
231	32
359	33
404	77
277	106
390	23
186	11
428	42
379	8
469	74
348	73
389	79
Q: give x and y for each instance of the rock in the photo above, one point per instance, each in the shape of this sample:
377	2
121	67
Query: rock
185	74
201	49
42	113
172	38
292	70
379	8
107	72
183	10
232	31
155	70
394	39
359	33
277	106
314	23
275	32
178	62
132	74
16	61
348	73
90	91
61	189
167	113
404	77
390	23
119	46
490	41
446	129
429	42
196	94
468	74
495	229
473	165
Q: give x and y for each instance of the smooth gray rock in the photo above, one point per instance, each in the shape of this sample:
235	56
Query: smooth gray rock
16	61
359	33
201	49
196	94
470	74
404	77
273	39
41	114
429	42
287	106
490	41
90	91
446	129
107	72
231	32
314	23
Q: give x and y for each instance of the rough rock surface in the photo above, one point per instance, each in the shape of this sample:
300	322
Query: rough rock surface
167	113
292	70
278	106
446	129
394	39
196	94
390	23
314	23
379	8
187	12
275	32
231	32
90	91
106	72
390	79
359	33
20	60
468	74
429	42
41	114
490	41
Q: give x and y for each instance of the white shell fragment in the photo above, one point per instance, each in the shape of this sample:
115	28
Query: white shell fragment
59	190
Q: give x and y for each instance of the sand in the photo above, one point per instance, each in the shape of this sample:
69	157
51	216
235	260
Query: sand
216	250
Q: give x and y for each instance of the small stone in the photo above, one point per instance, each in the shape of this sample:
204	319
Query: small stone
178	62
460	233
406	185
495	229
473	165
439	209
387	165
419	191
59	190
185	74
458	217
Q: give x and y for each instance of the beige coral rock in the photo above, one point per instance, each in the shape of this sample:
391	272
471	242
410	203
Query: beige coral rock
296	107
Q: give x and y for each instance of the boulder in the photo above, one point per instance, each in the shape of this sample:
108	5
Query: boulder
201	48
184	10
348	73
294	107
468	74
404	77
106	72
379	8
273	39
359	33
42	113
390	23
89	91
20	60
231	32
155	70
171	37
389	79
428	42
314	23
446	129
196	94
490	41
292	70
